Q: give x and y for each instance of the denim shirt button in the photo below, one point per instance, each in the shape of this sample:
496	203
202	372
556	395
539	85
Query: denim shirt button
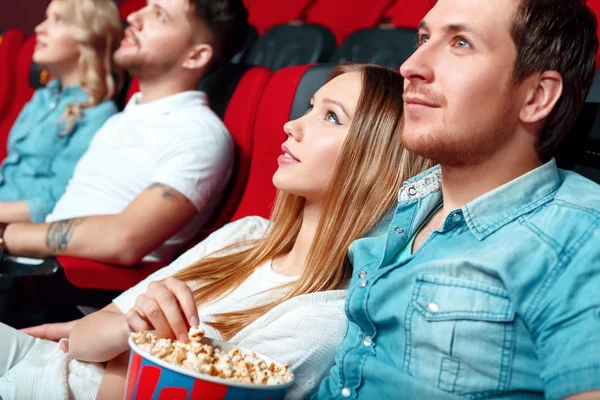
456	217
346	392
363	283
52	105
412	191
398	230
368	341
362	274
433	307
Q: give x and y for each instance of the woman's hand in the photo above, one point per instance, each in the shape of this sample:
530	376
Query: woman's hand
53	332
167	307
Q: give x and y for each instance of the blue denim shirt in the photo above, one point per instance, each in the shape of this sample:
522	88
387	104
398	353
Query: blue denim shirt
40	160
503	301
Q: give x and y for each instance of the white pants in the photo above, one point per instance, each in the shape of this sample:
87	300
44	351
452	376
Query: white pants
14	347
32	368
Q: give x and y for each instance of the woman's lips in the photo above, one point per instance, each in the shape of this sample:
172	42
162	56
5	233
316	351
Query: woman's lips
287	159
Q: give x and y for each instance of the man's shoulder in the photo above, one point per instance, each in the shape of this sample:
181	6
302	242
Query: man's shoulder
577	194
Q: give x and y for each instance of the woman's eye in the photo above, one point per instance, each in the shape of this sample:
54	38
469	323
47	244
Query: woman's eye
331	117
308	109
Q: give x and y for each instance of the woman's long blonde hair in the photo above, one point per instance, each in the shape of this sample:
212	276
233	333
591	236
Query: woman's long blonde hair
370	168
97	28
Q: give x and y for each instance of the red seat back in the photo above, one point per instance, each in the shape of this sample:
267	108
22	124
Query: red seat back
130	6
265	14
407	13
343	17
273	112
22	91
10	43
239	119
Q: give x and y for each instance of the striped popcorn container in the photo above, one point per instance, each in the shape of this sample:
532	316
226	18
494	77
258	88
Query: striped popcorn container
150	378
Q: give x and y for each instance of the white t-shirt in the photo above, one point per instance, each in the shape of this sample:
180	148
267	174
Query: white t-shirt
304	331
177	141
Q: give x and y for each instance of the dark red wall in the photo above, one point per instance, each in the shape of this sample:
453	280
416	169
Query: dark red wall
24	14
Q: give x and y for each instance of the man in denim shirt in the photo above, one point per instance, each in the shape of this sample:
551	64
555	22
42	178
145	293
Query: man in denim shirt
486	283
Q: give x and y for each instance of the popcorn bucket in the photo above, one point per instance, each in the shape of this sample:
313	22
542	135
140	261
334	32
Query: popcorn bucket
150	378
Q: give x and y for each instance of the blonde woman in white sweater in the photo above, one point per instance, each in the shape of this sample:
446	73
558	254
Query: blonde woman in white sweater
275	286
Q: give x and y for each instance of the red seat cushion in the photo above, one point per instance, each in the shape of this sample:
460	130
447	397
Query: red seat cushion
407	13
343	17
22	91
88	274
9	50
273	112
265	14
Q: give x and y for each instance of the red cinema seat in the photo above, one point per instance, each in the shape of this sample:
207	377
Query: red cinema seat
10	43
407	13
344	17
286	97
595	6
234	93
265	14
22	91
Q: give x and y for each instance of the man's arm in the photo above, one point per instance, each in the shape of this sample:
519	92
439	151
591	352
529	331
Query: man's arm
151	218
14	211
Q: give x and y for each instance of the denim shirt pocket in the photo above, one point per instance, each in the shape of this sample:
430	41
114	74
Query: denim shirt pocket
460	335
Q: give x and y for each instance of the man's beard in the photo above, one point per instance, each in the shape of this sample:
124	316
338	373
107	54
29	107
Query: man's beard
453	147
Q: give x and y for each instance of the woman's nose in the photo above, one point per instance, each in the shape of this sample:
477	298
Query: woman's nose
294	128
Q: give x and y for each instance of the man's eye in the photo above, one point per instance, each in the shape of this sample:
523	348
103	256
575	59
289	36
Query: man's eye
421	40
462	43
331	117
161	16
59	21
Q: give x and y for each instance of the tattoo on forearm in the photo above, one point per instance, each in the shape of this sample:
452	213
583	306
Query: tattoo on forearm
167	192
60	233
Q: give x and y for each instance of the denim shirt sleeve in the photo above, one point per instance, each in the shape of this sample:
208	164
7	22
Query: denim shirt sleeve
567	328
48	190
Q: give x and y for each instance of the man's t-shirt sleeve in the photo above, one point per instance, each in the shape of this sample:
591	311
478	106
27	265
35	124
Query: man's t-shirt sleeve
567	328
197	163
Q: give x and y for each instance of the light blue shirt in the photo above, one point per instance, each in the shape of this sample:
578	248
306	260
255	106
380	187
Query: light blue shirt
503	301
40	160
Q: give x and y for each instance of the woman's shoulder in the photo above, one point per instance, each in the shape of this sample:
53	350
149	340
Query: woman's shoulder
242	230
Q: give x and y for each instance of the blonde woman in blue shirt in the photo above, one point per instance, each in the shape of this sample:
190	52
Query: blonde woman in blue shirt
75	43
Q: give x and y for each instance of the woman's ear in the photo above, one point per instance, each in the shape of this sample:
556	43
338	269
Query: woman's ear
545	90
199	56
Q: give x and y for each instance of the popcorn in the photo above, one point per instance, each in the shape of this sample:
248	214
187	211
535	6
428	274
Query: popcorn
237	365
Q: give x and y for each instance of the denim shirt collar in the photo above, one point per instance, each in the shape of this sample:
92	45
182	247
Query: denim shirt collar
55	90
490	212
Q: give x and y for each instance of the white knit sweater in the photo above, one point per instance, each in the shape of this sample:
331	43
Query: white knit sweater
303	332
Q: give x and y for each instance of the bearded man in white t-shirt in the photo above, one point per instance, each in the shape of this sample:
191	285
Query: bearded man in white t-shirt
153	173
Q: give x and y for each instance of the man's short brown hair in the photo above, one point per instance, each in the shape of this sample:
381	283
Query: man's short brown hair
227	21
557	35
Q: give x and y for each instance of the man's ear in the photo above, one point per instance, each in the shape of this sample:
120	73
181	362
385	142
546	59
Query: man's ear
544	91
199	56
